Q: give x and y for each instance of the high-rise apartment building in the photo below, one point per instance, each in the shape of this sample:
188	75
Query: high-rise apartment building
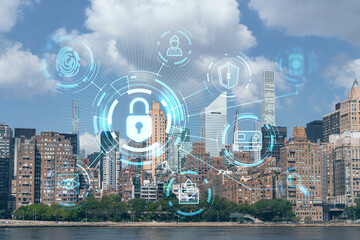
6	163
302	179
331	123
213	119
268	97
346	167
28	133
314	131
57	164
110	165
111	170
157	155
28	176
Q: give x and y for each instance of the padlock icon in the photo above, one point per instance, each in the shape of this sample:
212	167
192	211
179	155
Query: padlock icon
138	127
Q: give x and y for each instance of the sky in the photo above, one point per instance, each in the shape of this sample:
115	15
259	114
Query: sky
123	36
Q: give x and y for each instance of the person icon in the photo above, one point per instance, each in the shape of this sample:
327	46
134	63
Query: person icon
174	50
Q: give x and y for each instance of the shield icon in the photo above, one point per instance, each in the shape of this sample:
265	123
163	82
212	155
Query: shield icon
228	75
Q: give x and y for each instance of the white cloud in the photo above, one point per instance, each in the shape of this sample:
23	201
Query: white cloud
342	71
253	92
10	12
20	73
326	18
214	24
89	143
103	48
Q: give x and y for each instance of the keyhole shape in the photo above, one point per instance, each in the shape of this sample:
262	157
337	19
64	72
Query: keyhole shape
138	126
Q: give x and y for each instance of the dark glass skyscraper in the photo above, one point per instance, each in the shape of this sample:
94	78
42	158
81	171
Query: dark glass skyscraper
279	138
314	131
26	132
331	123
6	160
74	139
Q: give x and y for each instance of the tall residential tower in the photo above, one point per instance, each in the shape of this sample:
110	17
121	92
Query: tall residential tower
268	97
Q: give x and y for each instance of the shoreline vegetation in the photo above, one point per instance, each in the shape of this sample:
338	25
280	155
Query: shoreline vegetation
112	211
36	224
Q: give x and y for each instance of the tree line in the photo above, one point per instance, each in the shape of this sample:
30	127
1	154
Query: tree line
111	208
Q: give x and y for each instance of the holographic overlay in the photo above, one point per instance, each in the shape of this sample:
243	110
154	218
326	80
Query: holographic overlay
174	48
292	180
71	185
241	137
192	196
67	62
296	64
138	91
230	75
70	62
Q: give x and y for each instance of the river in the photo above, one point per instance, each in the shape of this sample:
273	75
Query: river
181	233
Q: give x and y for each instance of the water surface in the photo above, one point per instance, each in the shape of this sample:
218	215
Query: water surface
182	233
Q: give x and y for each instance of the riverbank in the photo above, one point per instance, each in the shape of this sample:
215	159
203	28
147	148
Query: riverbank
31	224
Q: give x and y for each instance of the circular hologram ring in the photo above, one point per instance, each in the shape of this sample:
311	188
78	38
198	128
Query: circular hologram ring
187	190
251	145
150	112
296	64
230	75
174	47
73	184
69	61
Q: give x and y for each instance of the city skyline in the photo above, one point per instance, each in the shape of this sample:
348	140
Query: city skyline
238	110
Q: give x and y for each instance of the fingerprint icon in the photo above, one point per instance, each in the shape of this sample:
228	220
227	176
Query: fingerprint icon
67	62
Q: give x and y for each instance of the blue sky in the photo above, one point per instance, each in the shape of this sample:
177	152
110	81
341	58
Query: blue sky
258	28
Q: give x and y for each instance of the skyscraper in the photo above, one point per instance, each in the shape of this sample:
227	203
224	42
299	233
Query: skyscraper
56	157
29	170
268	97
346	116
157	156
350	110
75	128
331	123
300	162
176	153
278	139
45	165
27	133
74	139
236	124
110	162
6	161
75	117
314	131
346	166
213	119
